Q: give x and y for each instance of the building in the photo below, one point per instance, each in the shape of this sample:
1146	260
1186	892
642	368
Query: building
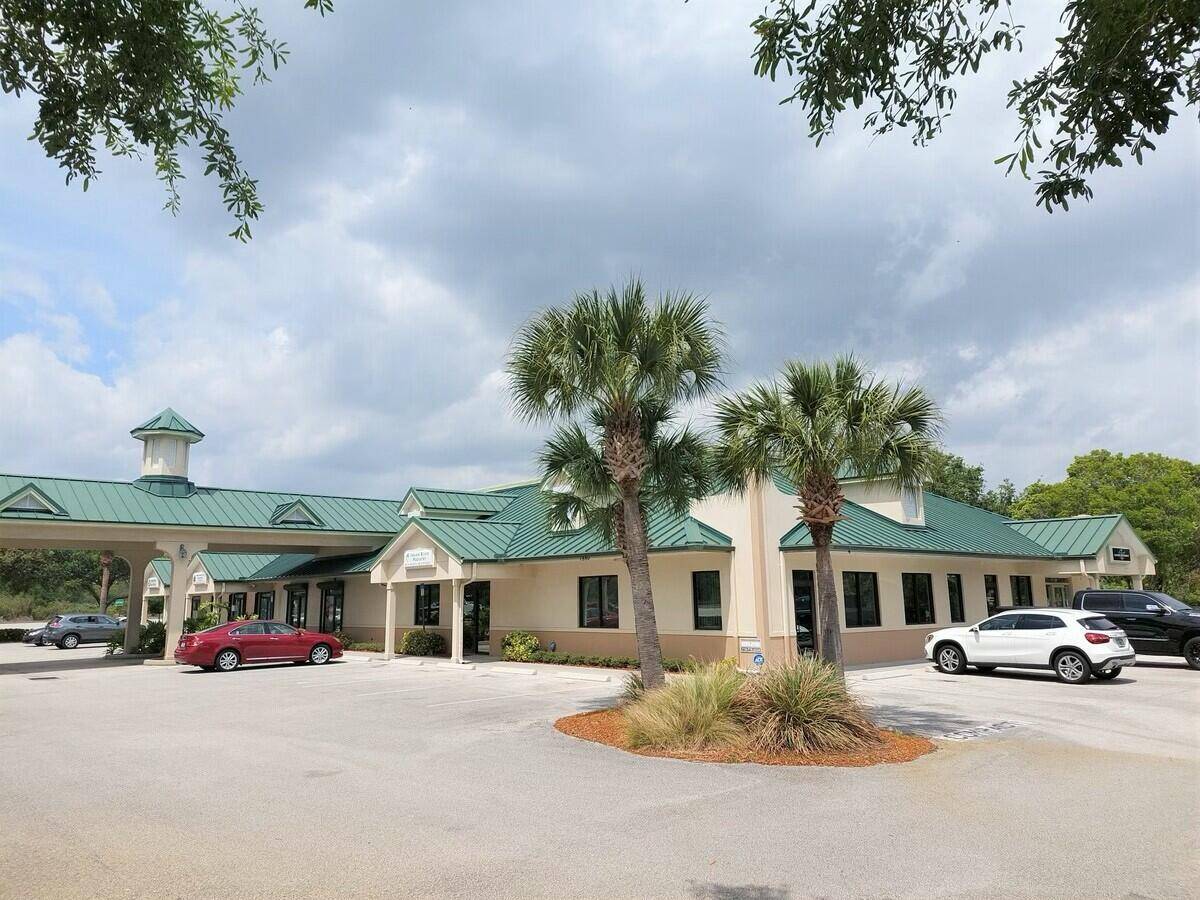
733	578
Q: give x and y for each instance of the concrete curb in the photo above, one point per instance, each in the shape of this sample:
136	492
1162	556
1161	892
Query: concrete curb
409	662
458	667
158	662
583	676
512	670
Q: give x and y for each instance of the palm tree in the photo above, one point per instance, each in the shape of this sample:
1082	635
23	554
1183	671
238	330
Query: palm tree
613	371
106	561
815	424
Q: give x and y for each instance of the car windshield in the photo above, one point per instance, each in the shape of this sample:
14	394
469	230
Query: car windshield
1097	623
1169	602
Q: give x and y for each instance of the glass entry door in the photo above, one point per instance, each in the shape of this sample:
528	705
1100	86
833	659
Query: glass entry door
332	597
1058	592
804	601
477	617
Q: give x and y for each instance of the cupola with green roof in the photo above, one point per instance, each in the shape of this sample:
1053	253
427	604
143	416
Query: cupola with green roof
166	438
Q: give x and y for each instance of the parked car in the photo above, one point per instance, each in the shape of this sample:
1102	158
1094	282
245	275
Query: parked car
1075	644
225	647
69	630
34	636
1156	623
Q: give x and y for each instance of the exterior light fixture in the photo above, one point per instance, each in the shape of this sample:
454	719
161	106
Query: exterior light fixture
182	552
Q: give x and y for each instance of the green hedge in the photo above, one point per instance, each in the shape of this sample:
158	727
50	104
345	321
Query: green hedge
519	646
367	646
422	643
12	635
604	662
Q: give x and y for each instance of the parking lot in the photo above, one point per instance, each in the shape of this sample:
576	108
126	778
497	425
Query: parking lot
367	779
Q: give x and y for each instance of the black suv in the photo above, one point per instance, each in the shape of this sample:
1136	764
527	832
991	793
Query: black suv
1156	623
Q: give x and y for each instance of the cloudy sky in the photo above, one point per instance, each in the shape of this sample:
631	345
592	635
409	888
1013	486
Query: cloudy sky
434	173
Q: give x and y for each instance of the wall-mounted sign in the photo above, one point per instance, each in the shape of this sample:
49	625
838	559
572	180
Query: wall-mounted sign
749	645
199	578
152	583
1121	554
418	558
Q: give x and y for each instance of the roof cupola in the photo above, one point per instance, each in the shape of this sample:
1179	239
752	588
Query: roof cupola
165	439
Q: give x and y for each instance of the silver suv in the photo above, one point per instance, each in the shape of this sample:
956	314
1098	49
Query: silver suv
70	630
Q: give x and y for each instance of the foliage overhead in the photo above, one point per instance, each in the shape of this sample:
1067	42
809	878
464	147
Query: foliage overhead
821	422
1119	70
55	573
141	77
1159	495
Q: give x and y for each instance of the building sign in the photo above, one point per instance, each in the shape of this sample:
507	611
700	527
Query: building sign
199	578
418	558
1121	554
152	583
749	645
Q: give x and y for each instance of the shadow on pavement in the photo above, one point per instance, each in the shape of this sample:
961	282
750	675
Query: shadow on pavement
737	891
66	664
920	721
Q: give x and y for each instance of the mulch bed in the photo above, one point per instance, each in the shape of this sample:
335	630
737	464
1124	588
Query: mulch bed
607	726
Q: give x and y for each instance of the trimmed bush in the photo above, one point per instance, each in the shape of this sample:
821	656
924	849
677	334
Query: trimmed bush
422	643
519	646
604	662
366	646
804	707
12	635
695	712
151	641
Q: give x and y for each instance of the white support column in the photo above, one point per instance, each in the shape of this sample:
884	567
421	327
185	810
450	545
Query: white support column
456	623
135	605
1137	583
176	601
389	623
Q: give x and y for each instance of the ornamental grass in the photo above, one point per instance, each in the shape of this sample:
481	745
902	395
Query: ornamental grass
694	711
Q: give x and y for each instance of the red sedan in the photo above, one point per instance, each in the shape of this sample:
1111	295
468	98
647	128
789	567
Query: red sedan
228	646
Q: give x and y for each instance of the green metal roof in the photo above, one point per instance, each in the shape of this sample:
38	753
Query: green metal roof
245	566
169	420
328	566
480	502
162	568
1073	538
950	527
521	531
124	502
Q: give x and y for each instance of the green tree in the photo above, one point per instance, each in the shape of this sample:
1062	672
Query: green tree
953	477
140	77
1117	73
813	424
613	371
1160	496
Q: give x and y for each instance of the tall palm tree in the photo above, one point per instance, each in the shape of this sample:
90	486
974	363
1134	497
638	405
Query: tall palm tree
816	424
106	561
613	371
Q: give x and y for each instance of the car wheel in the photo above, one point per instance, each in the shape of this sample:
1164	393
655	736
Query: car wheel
984	670
950	659
1107	674
69	641
228	660
1191	652
319	655
1072	667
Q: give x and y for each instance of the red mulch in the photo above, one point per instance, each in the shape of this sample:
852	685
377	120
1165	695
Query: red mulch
607	726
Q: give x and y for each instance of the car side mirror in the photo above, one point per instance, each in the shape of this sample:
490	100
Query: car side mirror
1161	611
974	629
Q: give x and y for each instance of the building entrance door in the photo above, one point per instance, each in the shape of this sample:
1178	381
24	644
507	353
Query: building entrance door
804	602
1058	592
477	617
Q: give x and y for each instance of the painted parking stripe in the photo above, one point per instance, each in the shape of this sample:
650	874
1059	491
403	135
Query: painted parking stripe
505	697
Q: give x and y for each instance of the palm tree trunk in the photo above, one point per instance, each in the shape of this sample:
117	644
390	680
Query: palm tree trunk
638	563
106	559
827	603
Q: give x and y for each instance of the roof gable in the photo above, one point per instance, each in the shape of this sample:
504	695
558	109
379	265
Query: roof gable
30	500
162	568
295	513
479	503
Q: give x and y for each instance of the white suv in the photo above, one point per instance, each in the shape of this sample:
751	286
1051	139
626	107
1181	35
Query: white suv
1076	644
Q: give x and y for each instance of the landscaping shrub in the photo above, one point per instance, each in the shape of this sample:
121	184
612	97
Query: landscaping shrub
151	641
366	646
344	638
604	662
804	707
519	646
11	635
695	712
633	688
422	643
204	619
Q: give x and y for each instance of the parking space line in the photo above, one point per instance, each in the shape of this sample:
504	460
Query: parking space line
395	691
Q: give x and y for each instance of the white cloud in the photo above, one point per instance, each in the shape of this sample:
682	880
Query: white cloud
945	265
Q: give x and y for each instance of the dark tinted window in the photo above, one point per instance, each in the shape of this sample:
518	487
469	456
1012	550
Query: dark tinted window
1140	603
1022	590
1030	622
252	628
598	601
1109	602
1000	623
429	604
918	598
861	593
276	628
991	591
1168	601
706	601
954	588
1097	623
